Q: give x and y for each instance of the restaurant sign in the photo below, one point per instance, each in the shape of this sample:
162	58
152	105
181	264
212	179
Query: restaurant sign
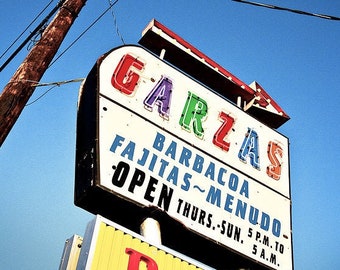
166	141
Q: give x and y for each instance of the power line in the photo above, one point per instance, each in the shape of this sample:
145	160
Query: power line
36	30
321	16
53	85
37	84
14	97
116	25
83	33
23	32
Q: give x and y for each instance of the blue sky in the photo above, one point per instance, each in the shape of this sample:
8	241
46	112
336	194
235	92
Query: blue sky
294	57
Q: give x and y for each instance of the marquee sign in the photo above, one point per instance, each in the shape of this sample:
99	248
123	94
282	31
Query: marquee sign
162	139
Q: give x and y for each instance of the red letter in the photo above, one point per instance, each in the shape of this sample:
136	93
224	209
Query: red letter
275	154
135	259
223	131
124	78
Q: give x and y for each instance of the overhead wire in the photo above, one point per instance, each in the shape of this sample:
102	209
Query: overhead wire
24	31
53	85
116	24
39	84
48	90
34	40
33	33
83	33
322	16
36	31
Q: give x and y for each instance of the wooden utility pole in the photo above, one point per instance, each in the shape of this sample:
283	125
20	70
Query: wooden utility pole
23	83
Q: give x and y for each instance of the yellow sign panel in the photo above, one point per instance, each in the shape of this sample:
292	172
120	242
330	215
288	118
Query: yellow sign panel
108	247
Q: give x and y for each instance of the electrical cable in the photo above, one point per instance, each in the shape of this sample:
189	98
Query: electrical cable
321	16
54	84
36	38
28	104
23	32
83	33
116	25
60	3
39	84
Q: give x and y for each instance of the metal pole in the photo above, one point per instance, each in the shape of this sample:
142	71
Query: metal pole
150	229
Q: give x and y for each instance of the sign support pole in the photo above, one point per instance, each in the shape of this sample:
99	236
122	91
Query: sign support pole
150	229
23	83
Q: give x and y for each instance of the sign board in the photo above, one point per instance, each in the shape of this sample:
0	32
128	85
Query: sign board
160	139
109	246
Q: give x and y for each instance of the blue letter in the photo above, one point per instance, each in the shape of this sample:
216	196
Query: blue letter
158	144
214	196
117	142
250	148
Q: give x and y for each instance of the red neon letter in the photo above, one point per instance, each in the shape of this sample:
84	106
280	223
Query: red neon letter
223	131
124	77
275	154
135	259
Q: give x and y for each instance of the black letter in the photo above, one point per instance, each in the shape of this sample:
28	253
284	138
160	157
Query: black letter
179	205
165	197
137	180
150	188
120	174
223	226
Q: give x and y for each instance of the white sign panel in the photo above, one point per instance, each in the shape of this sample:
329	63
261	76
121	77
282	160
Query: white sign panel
172	101
148	166
166	141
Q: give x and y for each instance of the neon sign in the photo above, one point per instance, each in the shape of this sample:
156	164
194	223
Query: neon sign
161	139
129	79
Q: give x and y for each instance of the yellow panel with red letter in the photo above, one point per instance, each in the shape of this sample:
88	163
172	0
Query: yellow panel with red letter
107	245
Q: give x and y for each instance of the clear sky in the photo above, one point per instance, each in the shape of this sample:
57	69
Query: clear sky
294	57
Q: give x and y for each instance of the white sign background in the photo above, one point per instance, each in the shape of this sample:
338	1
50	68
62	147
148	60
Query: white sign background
142	134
